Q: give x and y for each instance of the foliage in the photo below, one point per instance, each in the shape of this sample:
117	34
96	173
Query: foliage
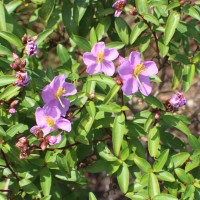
141	154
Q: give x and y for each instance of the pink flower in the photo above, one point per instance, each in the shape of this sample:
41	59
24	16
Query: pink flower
52	140
54	93
23	79
119	6
100	59
135	74
49	119
177	100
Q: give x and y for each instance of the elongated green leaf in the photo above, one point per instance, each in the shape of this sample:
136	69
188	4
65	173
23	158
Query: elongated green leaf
63	55
177	75
191	11
102	79
192	165
47	9
164	197
173	5
154	141
142	164
163	48
93	36
118	132
2	18
82	43
42	36
123	178
152	19
11	6
45	181
189	192
122	30
180	158
154	188
90	107
11	38
9	92
165	176
188	76
172	24
142	6
5	51
7	79
182	175
194	142
111	93
91	196
137	30
116	45
160	162
62	162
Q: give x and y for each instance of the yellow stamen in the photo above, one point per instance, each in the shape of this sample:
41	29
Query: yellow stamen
138	69
50	121
60	92
100	57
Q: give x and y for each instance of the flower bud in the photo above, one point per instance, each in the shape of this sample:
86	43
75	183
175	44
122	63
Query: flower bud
52	140
177	100
23	79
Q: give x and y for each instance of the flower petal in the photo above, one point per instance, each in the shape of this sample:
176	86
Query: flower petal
121	60
151	68
135	58
32	130
117	13
94	68
97	48
52	111
130	86
125	70
63	124
58	82
48	94
40	117
145	86
108	68
70	89
110	54
46	130
89	58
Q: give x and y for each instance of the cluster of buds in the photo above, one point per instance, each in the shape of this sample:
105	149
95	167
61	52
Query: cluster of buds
18	65
30	45
23	145
176	101
12	107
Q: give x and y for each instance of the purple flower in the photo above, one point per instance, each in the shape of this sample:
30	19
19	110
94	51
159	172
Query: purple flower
177	100
119	6
135	74
52	140
23	79
31	48
54	93
49	119
100	59
12	110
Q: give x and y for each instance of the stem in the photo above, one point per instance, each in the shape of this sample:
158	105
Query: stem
82	71
8	165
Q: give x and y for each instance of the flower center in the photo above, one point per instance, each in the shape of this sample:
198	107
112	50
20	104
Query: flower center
120	5
60	92
138	69
100	57
50	121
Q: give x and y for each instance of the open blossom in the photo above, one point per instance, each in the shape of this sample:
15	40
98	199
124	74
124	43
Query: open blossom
23	79
100	59
31	48
54	93
49	119
177	100
135	74
119	6
52	140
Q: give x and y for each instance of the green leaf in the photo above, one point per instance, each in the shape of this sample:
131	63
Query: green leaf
11	38
188	76
7	79
98	166
163	48
164	197
12	5
180	158
182	175
194	142
91	196
122	30
15	129
165	176
82	43
172	24
160	162
123	178
5	51
118	132
42	36
111	94
137	30
154	141
93	36
142	164
142	6
152	19
192	164
9	92
62	162
116	45
90	107
110	107
191	11
180	58
154	188
189	192
46	10
2	18
63	55
173	5
45	181
80	9
177	75
171	120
